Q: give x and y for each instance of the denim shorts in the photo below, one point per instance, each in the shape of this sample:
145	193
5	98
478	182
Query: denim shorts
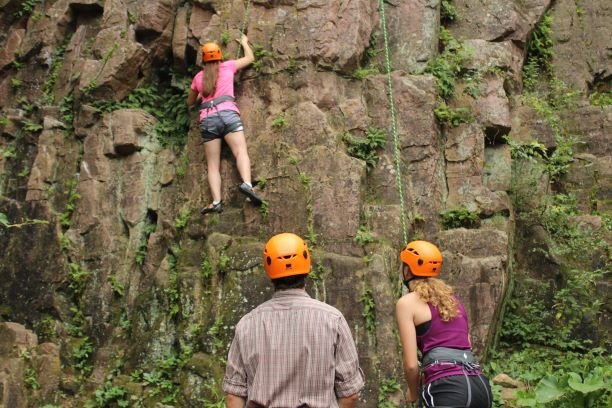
219	124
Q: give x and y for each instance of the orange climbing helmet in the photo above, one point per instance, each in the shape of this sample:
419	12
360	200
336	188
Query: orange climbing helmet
211	52
286	254
423	258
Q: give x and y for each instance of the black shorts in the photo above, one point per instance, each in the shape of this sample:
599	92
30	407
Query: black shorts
458	391
218	124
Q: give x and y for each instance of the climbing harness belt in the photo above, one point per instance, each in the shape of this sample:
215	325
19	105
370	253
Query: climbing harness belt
216	101
244	24
398	173
449	356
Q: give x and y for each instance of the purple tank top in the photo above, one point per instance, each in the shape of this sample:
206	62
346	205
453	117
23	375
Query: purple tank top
451	334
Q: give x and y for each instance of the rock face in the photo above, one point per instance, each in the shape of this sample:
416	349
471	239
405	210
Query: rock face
102	171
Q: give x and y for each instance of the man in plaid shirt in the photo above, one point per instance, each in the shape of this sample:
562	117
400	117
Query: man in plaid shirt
292	351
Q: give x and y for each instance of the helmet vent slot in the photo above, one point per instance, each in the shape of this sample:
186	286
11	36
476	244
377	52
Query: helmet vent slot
420	262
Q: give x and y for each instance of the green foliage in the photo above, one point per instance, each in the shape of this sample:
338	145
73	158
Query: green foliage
363	236
279	121
369	311
66	110
311	235
159	381
264	210
109	395
206	269
555	378
446	67
366	148
80	355
56	66
364	72
183	218
9	152
460	217
141	251
4	121
27	6
31	127
386	388
77	278
317	273
131	17
183	165
16	84
601	98
71	203
448	13
452	116
30	378
172	293
116	286
262	56
4	222
165	100
539	52
224	38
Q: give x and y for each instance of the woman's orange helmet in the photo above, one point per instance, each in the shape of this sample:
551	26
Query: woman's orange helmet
211	52
423	258
286	254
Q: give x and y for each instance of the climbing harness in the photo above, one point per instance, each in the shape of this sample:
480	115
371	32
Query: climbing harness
398	173
216	101
441	356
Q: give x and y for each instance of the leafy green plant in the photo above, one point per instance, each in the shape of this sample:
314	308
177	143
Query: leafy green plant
4	121
369	311
206	269
30	378
27	6
165	100
279	121
386	388
446	67
183	218
366	148
131	17
452	116
224	38
264	210
116	286
16	84
81	353
364	72
460	217
77	278
56	66
31	127
108	395
601	98
448	13
71	203
4	222
172	290
363	236
311	235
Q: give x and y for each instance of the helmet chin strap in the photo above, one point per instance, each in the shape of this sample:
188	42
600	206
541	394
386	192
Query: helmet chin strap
407	281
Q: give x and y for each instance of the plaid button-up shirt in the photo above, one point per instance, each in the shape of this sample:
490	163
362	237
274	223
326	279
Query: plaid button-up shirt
290	351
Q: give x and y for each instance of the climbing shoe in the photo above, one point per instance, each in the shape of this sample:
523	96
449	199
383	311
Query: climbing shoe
248	191
212	208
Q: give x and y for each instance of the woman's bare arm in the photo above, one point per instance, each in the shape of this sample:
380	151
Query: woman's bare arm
249	57
405	321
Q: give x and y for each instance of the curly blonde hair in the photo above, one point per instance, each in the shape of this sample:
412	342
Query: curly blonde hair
439	294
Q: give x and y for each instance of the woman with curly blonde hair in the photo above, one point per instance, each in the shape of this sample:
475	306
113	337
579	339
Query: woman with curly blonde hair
432	320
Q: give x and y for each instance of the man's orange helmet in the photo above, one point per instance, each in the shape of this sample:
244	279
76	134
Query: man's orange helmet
286	254
211	52
423	258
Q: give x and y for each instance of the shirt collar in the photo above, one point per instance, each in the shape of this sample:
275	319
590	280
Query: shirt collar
279	294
